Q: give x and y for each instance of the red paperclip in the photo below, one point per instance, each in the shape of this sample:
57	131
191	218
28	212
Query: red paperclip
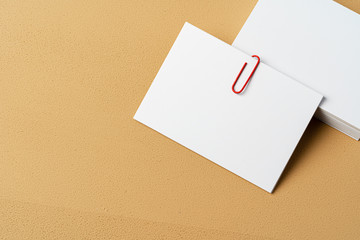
237	78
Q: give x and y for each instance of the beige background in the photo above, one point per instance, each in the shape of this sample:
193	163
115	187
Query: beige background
74	164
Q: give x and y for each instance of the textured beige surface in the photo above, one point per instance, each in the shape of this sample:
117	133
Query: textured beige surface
73	162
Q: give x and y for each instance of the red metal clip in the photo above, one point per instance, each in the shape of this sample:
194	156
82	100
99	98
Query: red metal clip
237	78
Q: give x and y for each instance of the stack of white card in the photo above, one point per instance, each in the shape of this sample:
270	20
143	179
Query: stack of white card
316	42
252	134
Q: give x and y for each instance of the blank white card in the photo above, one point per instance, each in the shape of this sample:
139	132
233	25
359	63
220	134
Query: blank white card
252	134
317	42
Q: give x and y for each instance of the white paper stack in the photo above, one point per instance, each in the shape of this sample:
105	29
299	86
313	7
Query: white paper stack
316	42
252	134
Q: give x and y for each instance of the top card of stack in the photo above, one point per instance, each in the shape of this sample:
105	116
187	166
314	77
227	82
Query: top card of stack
252	134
